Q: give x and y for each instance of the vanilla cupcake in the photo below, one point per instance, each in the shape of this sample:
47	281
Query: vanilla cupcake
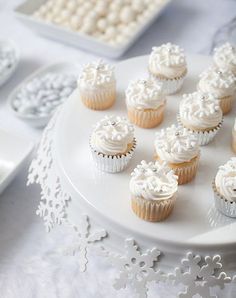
225	57
200	114
112	143
145	103
224	187
220	83
97	85
167	64
234	137
179	148
153	188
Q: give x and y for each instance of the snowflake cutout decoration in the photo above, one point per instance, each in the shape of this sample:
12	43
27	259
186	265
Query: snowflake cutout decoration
136	269
53	199
199	275
84	239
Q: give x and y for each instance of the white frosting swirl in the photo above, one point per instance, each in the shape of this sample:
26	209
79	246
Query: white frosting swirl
225	57
168	60
176	145
200	111
153	181
145	94
112	135
219	82
96	74
225	180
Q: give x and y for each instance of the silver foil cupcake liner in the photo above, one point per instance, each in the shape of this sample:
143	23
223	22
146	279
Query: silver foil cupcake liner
112	163
204	137
225	206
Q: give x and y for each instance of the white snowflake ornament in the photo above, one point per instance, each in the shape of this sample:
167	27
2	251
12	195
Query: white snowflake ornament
199	275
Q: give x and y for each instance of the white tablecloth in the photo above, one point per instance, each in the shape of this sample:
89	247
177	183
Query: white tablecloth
23	240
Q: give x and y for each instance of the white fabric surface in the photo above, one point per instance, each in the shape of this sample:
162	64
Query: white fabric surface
27	268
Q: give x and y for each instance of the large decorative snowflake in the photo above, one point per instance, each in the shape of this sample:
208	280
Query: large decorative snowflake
84	239
199	275
136	269
53	199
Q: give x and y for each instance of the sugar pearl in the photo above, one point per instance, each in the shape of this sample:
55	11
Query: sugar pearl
113	18
75	22
102	24
127	15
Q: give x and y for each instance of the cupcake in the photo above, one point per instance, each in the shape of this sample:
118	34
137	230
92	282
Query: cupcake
234	137
200	114
97	85
153	188
112	144
224	187
167	64
225	57
179	148
221	83
145	103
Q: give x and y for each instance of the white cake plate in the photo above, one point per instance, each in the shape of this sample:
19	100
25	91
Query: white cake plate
194	226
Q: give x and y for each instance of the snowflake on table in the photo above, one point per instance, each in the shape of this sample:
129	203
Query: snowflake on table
199	275
53	199
136	269
84	239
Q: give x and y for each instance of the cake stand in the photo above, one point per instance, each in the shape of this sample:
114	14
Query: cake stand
194	249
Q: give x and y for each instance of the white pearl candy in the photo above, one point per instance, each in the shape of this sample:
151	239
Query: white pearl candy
127	15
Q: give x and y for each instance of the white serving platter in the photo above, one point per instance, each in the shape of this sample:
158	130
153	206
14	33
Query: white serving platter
60	67
24	13
194	224
14	151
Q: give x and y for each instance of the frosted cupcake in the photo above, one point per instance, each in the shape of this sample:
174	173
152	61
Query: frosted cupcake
167	64
179	148
145	102
234	137
224	187
221	83
112	143
225	57
200	114
153	188
97	85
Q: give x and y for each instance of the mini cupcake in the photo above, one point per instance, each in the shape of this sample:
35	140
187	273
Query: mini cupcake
225	57
145	102
200	114
221	83
97	86
234	137
179	148
167	64
224	187
153	188
112	144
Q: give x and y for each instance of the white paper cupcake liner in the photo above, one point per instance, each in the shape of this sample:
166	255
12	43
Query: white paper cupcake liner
204	137
112	163
225	206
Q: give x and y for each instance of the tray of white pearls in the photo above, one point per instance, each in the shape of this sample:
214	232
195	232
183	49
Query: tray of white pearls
106	27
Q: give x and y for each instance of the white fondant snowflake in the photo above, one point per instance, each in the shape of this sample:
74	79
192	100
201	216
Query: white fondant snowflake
84	239
136	269
199	275
53	199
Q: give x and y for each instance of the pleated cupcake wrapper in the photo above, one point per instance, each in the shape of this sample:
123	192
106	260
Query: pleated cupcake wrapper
112	163
151	210
204	137
146	119
234	140
169	86
225	206
226	104
98	99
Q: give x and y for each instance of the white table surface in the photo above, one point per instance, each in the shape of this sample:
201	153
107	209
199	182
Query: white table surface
192	24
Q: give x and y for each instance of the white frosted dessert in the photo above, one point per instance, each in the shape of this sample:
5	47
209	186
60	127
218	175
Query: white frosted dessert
221	83
234	137
145	103
167	64
97	85
225	57
201	114
179	148
153	188
224	187
112	143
